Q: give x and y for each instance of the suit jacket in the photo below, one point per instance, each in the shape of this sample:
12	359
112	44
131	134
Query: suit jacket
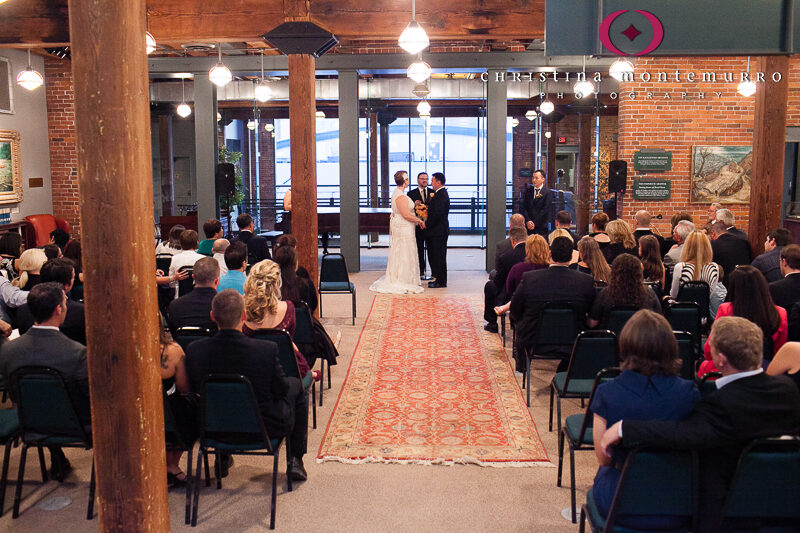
415	195
438	224
739	233
540	211
769	263
786	292
554	284
501	248
504	265
231	352
730	251
720	425
51	348
74	325
193	309
257	246
639	233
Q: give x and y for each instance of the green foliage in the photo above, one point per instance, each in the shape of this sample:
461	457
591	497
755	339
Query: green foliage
5	150
228	156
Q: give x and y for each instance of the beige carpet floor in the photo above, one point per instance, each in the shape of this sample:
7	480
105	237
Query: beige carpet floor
353	498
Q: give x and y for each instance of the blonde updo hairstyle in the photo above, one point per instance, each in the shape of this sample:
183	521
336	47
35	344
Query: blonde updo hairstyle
262	290
30	261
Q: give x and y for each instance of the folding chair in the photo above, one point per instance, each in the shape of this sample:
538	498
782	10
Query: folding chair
304	334
653	483
618	316
699	293
231	423
188	334
176	443
185	286
163	261
686	316
334	279
47	416
9	433
687	351
577	431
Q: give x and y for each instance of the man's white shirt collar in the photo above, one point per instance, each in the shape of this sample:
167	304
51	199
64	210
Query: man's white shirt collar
721	382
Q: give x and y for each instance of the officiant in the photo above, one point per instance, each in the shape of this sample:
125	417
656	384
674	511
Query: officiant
422	197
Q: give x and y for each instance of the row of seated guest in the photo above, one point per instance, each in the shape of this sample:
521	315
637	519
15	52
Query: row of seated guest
592	261
648	406
494	291
621	240
213	230
625	287
187	257
696	264
537	256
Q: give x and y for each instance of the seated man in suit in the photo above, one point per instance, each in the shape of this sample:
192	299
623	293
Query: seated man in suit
494	292
769	263
282	401
726	217
564	221
729	251
679	234
748	404
193	309
516	221
44	345
786	291
558	283
61	271
642	223
257	246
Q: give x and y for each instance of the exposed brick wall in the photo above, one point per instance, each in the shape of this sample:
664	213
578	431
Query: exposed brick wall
63	150
793	100
678	124
386	47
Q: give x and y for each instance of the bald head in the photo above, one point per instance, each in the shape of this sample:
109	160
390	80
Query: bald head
517	221
642	219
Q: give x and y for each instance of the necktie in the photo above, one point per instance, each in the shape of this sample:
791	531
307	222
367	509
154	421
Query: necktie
424	196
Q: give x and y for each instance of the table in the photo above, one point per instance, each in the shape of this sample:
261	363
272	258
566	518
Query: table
370	219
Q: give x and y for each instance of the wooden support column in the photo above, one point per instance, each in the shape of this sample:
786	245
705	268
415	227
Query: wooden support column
384	129
552	142
583	183
769	145
303	149
166	164
112	111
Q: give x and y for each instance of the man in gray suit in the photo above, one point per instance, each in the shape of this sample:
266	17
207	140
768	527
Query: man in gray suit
45	345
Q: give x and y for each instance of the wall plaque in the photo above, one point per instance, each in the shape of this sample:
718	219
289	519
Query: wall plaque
651	189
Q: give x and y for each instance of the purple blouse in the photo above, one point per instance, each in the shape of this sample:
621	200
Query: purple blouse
515	275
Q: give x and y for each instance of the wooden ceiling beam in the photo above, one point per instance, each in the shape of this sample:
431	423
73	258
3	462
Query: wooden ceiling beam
42	23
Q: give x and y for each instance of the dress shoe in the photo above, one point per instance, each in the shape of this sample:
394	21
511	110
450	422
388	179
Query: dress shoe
227	463
436	285
59	469
176	480
491	328
297	471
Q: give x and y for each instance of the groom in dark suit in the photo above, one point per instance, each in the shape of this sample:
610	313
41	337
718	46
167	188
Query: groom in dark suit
421	196
537	206
437	229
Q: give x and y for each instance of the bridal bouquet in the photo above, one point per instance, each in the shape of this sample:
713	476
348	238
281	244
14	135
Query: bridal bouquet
421	211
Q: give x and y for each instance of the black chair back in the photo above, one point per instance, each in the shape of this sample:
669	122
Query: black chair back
185	286
229	413
592	352
604	375
188	334
333	269
618	316
697	292
285	349
303	333
163	261
687	351
559	324
685	316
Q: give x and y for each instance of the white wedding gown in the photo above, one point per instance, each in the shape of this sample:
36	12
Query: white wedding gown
402	270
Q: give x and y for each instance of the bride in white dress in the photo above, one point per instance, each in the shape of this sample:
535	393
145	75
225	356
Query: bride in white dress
402	270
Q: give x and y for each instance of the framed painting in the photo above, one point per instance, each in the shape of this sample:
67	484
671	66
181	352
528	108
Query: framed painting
6	94
721	174
10	168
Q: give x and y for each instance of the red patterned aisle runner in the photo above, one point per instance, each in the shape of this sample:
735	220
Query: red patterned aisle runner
428	385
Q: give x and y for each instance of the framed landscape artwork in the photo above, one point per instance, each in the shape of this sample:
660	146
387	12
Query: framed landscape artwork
10	168
721	174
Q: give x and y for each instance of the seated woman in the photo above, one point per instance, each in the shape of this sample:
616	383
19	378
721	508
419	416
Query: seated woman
171	245
592	261
750	298
625	287
786	362
10	250
621	240
599	223
264	307
293	286
648	389
654	271
175	382
537	256
563	233
696	264
289	240
29	265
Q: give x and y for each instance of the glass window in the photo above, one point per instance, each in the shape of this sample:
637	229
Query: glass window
427	146
461	157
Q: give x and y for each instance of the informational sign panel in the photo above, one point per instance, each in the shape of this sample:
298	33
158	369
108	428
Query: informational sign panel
652	160
651	189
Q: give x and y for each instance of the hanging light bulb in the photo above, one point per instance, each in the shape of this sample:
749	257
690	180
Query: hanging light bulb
421	90
514	122
747	88
263	91
413	39
269	126
251	124
320	114
547	107
220	75
424	108
548	134
183	109
419	71
620	69
530	114
583	88
219	117
29	78
150	43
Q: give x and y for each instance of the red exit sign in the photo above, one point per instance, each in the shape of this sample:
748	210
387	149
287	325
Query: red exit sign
562	140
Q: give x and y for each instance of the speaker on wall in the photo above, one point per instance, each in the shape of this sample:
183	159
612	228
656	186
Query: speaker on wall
225	179
617	175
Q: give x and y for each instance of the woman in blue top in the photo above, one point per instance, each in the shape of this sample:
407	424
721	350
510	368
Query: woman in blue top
648	389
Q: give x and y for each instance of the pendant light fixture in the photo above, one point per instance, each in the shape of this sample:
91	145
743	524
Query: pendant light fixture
530	114
269	126
320	114
150	43
424	108
413	39
419	70
29	79
220	75
546	106
514	122
621	69
424	116
747	88
583	88
263	91
421	90
183	108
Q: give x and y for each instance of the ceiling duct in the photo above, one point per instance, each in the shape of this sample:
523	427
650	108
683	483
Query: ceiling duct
301	38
